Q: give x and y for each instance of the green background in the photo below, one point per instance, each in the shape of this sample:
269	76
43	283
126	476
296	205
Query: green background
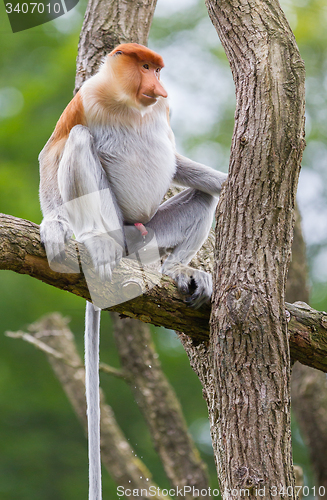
43	452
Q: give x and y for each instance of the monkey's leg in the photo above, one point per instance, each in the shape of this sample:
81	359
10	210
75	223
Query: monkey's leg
181	225
55	231
92	209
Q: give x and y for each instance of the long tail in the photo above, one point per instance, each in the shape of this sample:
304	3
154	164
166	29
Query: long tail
92	336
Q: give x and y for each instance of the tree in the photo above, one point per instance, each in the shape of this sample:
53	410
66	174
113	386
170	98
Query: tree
250	355
247	290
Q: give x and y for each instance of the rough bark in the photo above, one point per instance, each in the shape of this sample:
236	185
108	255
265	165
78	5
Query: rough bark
249	342
21	252
159	405
52	335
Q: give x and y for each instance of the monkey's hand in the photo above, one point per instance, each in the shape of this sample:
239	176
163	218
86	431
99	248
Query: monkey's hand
193	282
54	236
105	253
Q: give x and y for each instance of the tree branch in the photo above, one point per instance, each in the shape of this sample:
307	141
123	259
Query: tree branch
21	251
160	407
309	402
52	335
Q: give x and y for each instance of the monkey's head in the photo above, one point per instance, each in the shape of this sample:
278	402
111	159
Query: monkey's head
137	72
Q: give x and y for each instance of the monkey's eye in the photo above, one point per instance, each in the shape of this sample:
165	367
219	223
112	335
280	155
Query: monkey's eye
145	66
158	70
118	52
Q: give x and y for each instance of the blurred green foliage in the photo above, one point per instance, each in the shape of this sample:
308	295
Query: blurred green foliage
43	453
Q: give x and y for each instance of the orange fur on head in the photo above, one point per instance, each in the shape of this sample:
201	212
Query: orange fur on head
140	53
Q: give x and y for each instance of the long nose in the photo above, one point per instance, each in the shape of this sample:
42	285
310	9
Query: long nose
152	85
159	90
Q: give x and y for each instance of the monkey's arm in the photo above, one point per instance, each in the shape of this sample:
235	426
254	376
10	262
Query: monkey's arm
195	175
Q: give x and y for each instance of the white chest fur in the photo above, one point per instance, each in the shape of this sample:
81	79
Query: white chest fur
139	160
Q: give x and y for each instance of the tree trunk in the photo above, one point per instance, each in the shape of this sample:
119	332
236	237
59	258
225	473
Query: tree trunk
309	402
309	386
159	405
297	288
249	351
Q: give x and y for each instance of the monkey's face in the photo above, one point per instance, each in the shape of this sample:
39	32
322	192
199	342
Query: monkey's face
150	88
136	78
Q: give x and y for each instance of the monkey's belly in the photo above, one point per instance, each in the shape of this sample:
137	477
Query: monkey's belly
139	205
140	166
139	183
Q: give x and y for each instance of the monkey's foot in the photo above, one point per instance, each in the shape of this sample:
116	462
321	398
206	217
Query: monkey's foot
105	253
195	283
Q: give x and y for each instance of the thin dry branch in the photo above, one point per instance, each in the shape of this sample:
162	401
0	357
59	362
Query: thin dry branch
159	404
22	252
309	402
52	335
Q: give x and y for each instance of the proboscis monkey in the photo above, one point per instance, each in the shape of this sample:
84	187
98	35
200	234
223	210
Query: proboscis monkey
114	141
